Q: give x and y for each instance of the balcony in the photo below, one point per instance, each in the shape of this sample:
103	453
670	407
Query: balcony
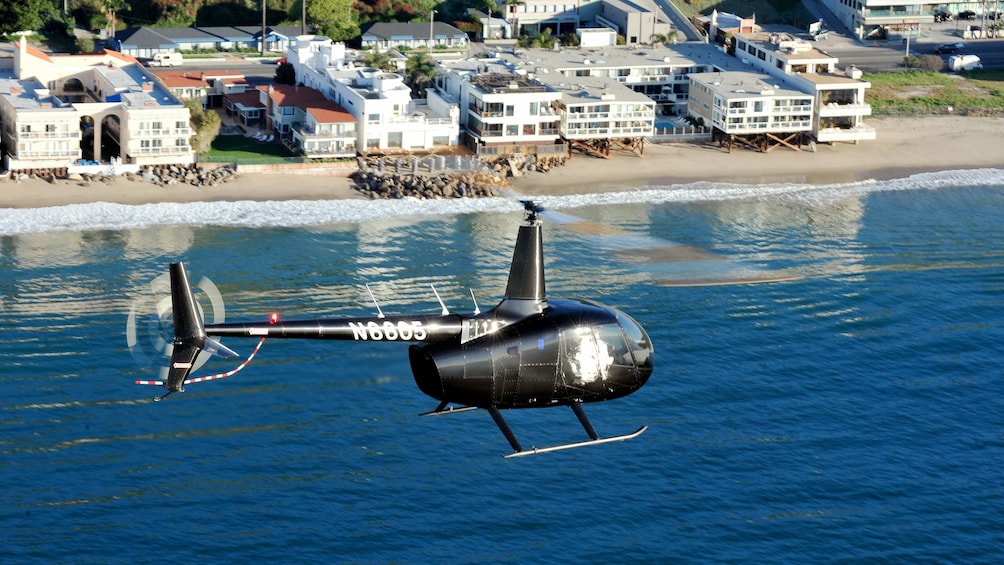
26	135
840	109
170	150
859	133
161	133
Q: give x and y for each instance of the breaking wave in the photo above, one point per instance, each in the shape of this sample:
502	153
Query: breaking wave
303	213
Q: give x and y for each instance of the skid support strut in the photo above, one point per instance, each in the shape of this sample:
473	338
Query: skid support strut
594	438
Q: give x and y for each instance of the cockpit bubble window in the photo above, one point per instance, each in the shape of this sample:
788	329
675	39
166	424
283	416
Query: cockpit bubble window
637	339
592	351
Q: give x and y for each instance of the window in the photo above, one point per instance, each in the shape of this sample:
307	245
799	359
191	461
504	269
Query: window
510	110
529	129
512	129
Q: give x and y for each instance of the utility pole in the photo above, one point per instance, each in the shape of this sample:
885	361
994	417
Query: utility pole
432	19
262	28
303	18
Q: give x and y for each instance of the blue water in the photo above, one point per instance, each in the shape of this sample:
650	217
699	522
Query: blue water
853	415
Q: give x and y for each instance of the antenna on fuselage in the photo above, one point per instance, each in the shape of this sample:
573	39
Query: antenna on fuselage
375	303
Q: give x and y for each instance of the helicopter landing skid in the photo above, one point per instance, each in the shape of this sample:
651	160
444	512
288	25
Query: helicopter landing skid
443	408
594	439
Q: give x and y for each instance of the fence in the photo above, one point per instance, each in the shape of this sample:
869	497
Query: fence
688	133
414	164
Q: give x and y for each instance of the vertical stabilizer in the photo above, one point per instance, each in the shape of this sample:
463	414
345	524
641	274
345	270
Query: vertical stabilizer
187	320
526	276
189	332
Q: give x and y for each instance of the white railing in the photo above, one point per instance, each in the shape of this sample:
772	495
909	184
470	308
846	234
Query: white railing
48	134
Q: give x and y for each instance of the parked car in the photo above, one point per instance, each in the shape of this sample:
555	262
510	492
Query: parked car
949	48
942	17
282	61
967	15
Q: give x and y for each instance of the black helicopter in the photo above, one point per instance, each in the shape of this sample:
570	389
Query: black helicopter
530	351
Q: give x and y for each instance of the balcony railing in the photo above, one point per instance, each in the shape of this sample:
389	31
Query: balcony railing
163	150
24	135
45	154
838	109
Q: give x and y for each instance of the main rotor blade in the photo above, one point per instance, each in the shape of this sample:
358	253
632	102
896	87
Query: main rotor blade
670	263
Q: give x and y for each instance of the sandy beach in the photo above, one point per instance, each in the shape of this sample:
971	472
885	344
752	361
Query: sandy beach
904	146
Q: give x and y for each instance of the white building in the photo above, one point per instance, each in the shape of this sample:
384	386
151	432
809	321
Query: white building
839	97
887	19
58	109
751	108
380	101
503	111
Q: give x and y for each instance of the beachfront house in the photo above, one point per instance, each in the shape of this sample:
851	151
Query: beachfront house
751	109
308	121
598	115
58	109
503	111
839	106
387	118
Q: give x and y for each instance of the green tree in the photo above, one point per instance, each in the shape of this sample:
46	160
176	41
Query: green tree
110	9
665	38
206	124
334	18
285	74
420	72
24	15
378	60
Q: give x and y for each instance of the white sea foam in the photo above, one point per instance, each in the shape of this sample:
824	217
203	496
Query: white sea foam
300	213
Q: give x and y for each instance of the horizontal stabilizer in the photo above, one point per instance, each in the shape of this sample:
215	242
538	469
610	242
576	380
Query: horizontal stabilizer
218	349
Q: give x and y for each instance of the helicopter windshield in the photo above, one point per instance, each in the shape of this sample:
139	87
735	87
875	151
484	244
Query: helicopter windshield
637	339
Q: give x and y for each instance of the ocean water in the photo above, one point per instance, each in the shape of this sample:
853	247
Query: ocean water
853	415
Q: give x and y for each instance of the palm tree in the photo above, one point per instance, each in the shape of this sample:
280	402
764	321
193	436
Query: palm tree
420	72
665	38
379	60
510	10
109	9
491	6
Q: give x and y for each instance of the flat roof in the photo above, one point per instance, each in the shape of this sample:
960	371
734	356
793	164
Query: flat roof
746	84
28	94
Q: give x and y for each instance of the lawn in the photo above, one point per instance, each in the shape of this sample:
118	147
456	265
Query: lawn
240	149
975	93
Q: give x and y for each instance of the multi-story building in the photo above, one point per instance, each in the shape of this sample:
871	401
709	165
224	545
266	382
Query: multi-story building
751	109
503	111
839	97
313	124
386	115
57	109
637	22
886	19
532	16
